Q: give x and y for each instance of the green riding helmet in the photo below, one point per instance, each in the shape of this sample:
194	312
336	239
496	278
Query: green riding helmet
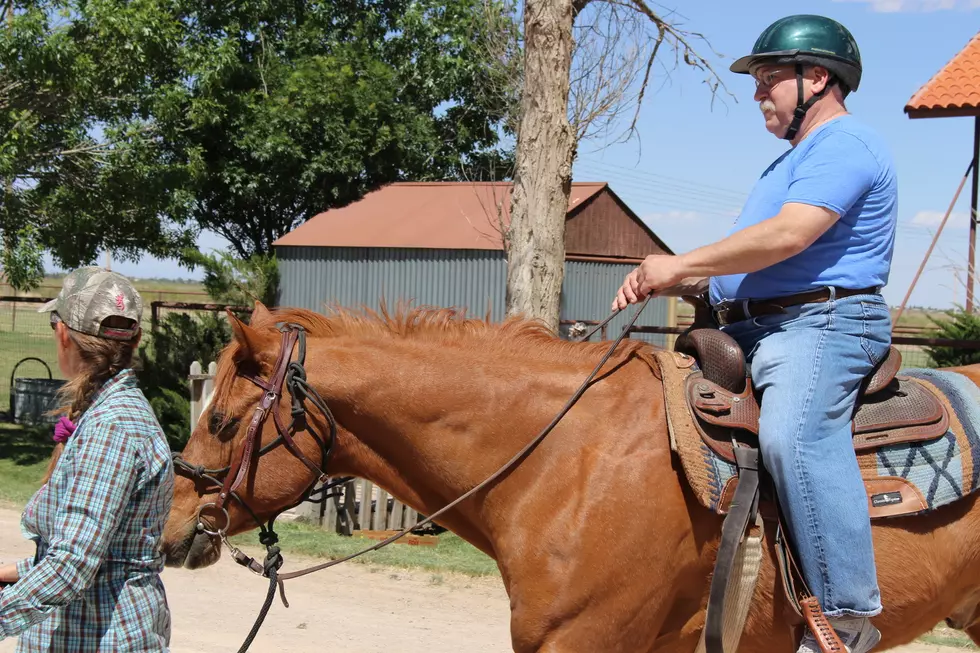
806	39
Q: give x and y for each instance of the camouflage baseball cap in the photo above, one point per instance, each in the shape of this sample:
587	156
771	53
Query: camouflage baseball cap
91	295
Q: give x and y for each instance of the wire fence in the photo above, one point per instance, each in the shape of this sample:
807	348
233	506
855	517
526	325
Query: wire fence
27	347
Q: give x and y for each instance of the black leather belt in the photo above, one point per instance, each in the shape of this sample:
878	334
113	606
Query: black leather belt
725	313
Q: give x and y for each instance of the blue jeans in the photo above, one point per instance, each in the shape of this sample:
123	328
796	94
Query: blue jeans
808	363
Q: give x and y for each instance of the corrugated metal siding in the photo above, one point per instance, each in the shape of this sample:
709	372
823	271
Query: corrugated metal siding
314	277
588	291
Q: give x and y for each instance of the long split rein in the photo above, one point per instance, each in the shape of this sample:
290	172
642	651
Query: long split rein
292	377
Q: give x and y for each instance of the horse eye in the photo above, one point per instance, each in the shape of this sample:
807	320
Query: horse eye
215	420
219	425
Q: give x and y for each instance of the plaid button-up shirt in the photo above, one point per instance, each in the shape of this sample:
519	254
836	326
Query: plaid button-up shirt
94	584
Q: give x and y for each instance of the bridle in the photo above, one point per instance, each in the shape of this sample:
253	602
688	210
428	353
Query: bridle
291	376
286	375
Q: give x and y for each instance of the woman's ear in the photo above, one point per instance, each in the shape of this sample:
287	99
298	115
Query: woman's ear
61	333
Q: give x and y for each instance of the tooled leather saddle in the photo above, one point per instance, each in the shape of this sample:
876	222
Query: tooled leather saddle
890	409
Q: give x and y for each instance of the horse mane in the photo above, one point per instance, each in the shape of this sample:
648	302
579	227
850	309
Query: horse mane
447	326
513	337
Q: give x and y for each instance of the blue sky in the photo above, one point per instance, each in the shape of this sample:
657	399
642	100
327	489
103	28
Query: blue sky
693	164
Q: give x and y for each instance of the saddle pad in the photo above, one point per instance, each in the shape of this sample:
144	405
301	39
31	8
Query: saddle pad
935	473
944	469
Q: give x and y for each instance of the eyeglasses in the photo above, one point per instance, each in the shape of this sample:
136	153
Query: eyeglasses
768	78
55	318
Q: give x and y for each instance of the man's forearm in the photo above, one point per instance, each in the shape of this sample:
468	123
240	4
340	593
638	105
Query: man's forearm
689	286
749	250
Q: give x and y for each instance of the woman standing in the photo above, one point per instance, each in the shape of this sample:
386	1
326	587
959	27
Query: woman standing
94	583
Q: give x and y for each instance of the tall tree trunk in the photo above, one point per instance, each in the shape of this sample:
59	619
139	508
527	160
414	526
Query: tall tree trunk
543	175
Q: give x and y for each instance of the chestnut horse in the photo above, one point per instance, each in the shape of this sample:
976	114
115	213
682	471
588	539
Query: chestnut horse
599	541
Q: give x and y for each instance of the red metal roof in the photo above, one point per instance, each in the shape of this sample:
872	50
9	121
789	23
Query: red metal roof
427	215
954	90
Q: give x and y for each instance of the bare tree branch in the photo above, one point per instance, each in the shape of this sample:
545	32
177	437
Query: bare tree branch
616	44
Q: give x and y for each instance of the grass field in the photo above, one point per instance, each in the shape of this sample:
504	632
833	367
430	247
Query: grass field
23	458
15	346
943	635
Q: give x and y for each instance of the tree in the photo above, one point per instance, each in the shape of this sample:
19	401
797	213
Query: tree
179	340
957	325
77	155
182	338
136	119
240	282
289	109
602	84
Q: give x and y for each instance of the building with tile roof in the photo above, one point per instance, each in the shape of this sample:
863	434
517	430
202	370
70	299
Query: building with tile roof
954	91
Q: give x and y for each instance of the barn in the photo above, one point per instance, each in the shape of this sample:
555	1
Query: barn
441	244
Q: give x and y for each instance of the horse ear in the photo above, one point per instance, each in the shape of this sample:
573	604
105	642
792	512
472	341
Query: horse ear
260	314
249	340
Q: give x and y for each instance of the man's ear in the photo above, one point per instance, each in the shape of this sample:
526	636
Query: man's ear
820	78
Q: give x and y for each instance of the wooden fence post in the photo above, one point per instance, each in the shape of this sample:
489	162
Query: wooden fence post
201	389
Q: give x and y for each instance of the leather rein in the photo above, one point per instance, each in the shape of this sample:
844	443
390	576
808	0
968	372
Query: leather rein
291	376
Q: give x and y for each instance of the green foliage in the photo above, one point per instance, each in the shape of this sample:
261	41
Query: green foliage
236	281
22	262
179	340
124	123
78	153
957	325
285	110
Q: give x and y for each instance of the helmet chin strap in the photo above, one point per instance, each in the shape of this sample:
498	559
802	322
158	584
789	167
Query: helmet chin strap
801	106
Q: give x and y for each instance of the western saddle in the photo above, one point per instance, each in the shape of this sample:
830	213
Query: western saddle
890	410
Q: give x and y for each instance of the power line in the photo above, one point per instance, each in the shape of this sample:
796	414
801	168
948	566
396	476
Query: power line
675	181
652	191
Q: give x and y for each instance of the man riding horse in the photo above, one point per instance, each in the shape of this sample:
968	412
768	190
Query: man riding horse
797	284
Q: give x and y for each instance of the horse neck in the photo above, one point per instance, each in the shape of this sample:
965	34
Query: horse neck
428	422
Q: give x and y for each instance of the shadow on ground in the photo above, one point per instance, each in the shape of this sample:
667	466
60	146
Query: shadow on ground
25	445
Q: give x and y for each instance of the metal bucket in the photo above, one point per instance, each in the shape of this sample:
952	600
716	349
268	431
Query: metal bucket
32	400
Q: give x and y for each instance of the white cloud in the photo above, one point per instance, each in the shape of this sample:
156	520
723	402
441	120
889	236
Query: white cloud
913	6
934	218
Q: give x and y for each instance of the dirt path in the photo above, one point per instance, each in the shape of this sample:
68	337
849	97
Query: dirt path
348	609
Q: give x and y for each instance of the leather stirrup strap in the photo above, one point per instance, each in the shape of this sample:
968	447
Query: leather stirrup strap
740	515
827	637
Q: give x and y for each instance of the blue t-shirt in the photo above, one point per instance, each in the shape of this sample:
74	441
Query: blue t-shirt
842	166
